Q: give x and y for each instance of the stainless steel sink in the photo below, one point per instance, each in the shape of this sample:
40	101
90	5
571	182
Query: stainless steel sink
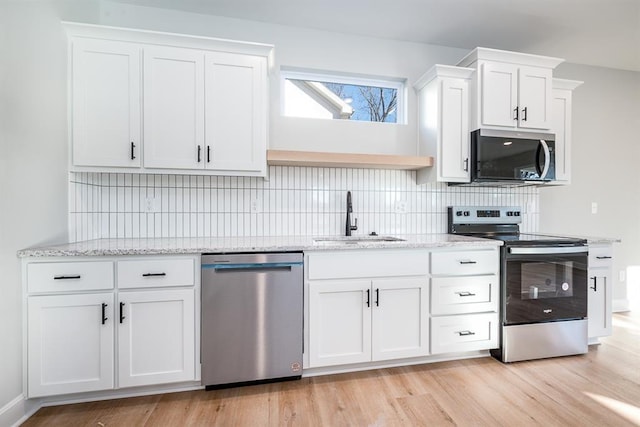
354	240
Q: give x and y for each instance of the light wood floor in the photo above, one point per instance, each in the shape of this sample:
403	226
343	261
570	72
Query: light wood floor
601	388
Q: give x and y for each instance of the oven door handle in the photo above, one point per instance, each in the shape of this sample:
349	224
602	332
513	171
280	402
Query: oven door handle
549	250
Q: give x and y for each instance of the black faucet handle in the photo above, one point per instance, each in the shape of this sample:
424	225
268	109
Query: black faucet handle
355	227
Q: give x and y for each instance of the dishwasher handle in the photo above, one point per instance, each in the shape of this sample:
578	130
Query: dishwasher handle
253	267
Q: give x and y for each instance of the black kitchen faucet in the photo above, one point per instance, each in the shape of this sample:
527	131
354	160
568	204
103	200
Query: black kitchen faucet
349	228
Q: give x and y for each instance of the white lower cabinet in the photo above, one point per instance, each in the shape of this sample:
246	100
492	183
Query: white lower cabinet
82	318
451	334
358	320
70	343
156	337
464	300
339	322
600	291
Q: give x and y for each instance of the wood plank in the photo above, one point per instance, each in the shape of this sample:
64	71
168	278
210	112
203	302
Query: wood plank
596	389
346	160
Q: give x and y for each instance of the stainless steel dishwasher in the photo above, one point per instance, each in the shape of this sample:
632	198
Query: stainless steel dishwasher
251	318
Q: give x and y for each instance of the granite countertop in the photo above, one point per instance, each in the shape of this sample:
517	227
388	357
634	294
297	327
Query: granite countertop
111	247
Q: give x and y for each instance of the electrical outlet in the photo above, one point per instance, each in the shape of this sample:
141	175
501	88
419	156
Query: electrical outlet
151	205
594	207
401	207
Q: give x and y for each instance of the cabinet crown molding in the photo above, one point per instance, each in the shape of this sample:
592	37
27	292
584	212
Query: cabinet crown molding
487	54
566	84
443	71
77	29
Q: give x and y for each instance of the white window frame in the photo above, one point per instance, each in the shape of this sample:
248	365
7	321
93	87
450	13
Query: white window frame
398	84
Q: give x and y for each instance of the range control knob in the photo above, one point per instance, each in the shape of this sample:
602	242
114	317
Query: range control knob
516	213
467	213
509	213
458	213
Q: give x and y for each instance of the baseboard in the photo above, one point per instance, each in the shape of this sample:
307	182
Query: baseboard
620	305
17	411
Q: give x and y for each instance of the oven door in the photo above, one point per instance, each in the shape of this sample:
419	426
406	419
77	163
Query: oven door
543	284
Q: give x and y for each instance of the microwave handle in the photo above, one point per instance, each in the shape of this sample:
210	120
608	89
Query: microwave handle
547	158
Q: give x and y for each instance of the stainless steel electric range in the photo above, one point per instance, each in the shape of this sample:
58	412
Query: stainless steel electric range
543	284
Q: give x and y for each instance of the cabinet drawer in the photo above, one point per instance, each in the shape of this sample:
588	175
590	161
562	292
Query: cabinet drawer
468	332
369	263
600	256
455	295
465	262
69	276
156	272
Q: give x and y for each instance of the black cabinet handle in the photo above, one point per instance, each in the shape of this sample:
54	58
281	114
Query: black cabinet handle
368	298
104	313
66	277
199	153
465	294
603	257
154	274
468	262
133	155
595	284
524	114
515	110
208	154
466	164
465	333
377	297
122	312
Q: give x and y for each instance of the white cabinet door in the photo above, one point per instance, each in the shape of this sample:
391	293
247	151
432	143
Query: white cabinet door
71	344
561	127
600	290
515	96
599	302
339	322
499	97
236	112
454	129
534	97
400	318
156	337
173	108
105	86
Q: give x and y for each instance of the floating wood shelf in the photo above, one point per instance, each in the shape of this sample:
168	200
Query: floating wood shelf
346	160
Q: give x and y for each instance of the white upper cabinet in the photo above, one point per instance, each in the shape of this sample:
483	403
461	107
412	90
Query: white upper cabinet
173	108
443	120
235	102
105	103
164	103
534	97
511	90
561	127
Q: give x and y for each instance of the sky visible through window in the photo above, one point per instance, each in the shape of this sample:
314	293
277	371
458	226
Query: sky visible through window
370	103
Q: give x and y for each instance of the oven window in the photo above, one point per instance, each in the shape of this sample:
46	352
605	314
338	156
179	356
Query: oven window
544	287
541	280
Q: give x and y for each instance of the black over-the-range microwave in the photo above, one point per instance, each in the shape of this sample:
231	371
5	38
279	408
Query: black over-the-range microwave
511	157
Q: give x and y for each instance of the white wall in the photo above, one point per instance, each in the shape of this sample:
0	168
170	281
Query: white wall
33	159
606	151
316	50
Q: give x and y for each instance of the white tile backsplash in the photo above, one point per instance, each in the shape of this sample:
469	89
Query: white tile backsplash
294	201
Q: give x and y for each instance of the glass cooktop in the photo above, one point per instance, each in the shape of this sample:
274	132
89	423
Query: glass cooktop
534	239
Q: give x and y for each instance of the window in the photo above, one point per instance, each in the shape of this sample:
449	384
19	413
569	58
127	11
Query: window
326	96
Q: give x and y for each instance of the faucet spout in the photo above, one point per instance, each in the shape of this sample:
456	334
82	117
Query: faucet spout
348	227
